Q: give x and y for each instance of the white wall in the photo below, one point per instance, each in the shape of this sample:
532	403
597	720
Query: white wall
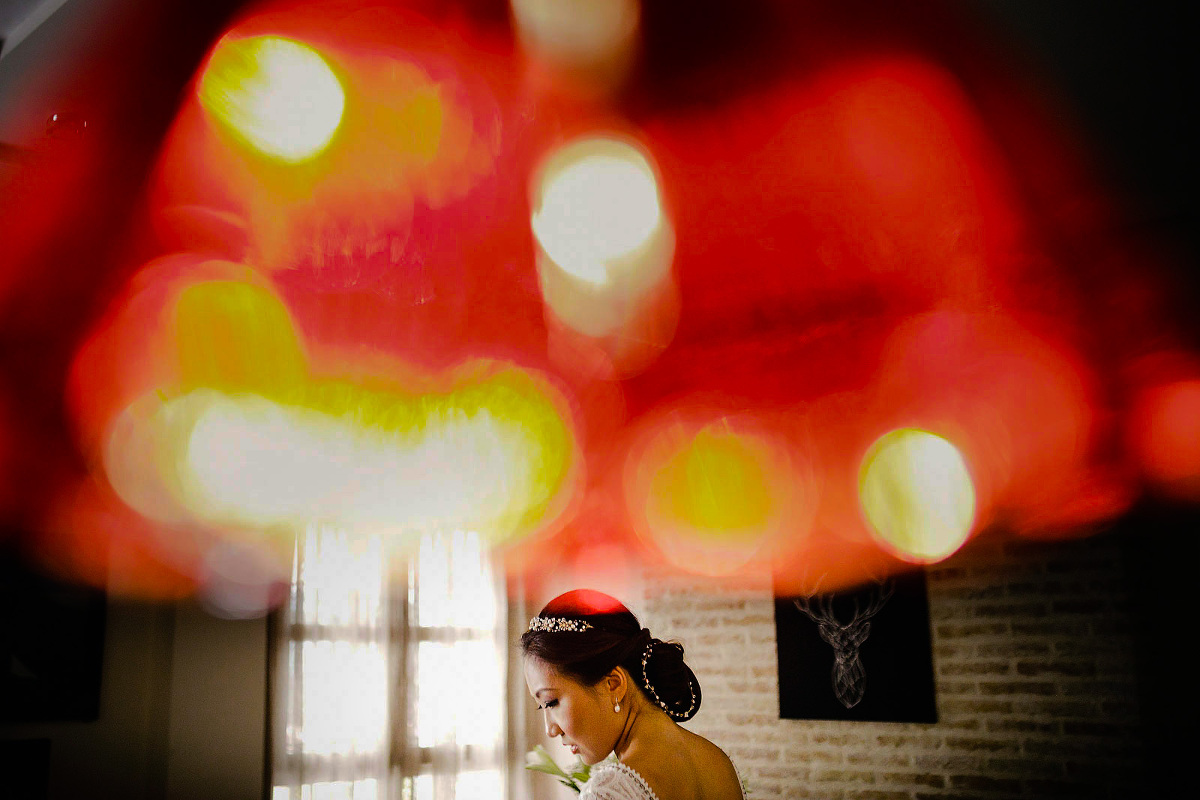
217	722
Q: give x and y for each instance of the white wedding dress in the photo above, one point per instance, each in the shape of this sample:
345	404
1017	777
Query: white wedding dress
612	780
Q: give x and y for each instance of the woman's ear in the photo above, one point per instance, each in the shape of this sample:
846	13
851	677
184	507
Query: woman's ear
617	682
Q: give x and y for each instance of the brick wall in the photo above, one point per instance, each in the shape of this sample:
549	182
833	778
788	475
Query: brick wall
1035	658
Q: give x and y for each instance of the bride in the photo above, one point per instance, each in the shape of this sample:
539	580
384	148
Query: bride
607	687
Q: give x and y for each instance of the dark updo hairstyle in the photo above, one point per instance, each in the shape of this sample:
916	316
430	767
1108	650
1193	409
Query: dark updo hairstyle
615	638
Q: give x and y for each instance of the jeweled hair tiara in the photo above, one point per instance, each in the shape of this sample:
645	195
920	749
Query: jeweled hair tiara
558	625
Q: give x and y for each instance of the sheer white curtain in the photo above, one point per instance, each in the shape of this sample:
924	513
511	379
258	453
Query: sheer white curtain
389	678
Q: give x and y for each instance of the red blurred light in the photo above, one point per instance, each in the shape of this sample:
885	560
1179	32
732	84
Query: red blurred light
867	237
1165	429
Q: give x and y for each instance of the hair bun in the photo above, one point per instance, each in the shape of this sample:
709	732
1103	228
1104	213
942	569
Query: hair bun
668	681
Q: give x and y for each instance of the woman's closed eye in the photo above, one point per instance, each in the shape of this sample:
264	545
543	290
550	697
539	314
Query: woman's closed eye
547	704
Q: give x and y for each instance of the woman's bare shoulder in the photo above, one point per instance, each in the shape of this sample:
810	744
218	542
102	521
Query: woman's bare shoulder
693	768
720	776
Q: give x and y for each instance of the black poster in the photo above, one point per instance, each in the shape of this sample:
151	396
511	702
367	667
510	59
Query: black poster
863	654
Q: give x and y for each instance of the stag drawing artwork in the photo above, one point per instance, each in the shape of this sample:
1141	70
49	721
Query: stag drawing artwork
846	638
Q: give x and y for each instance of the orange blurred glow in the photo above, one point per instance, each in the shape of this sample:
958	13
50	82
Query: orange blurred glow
203	230
713	496
236	337
916	492
832	565
89	536
606	566
590	42
277	95
1019	407
384	229
1165	433
417	134
135	349
716	483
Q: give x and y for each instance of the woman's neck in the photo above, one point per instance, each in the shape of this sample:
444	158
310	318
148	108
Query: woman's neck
645	723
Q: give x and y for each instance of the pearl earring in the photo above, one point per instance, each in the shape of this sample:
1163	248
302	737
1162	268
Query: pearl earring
617	708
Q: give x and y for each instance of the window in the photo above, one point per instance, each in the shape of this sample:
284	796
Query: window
389	679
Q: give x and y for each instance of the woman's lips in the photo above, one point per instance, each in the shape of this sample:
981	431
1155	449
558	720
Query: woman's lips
574	749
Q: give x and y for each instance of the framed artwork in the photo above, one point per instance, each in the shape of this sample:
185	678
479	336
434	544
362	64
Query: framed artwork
51	646
862	654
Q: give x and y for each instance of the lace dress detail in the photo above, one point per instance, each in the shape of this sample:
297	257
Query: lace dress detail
612	780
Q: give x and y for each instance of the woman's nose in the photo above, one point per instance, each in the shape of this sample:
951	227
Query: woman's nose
552	728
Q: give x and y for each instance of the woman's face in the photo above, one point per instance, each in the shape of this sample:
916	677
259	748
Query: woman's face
581	715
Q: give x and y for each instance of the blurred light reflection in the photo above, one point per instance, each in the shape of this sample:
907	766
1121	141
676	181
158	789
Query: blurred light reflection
372	195
917	494
605	250
597	204
280	96
712	496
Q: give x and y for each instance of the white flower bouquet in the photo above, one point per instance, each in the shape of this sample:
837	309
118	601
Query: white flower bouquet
539	760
